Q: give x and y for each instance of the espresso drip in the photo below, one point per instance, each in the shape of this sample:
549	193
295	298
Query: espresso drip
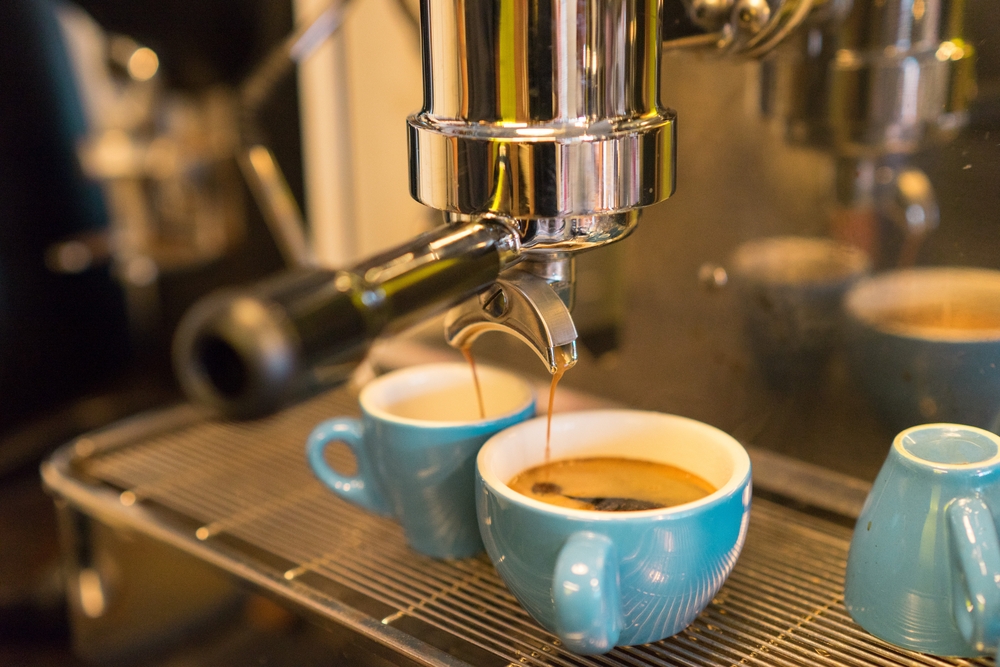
563	361
467	353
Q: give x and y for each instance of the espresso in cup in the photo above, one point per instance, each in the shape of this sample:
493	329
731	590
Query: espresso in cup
603	579
610	484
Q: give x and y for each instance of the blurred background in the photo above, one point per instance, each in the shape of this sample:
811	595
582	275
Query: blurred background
122	202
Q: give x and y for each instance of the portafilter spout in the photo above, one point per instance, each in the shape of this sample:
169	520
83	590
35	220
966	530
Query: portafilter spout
525	306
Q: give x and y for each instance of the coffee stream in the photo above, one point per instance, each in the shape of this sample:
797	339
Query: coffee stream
467	353
562	363
672	486
538	483
552	395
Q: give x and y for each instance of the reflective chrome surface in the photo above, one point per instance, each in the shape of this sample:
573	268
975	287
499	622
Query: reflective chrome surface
888	78
542	236
541	110
523	305
249	351
548	116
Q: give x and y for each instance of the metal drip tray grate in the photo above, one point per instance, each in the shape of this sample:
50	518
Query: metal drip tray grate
242	496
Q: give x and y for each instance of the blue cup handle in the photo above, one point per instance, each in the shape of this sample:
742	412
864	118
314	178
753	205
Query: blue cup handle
362	489
586	594
976	581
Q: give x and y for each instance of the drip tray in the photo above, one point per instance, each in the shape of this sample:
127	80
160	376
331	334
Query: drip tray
242	497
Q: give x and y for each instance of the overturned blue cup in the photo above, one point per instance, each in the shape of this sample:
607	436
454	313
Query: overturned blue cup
923	571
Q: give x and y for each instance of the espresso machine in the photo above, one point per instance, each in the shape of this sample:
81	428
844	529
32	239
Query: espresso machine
531	160
537	143
545	133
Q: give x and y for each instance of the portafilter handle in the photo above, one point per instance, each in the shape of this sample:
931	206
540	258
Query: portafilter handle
246	352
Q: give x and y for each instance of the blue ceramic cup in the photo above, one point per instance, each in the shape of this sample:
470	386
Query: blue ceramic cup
924	345
416	447
923	570
791	289
601	579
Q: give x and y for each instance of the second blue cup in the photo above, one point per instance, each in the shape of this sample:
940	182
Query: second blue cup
416	447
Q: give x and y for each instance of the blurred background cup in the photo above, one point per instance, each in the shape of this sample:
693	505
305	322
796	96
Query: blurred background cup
924	345
791	290
416	447
606	579
923	571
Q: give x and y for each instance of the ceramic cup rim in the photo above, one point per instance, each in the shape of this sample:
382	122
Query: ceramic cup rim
899	445
868	299
772	260
738	478
371	394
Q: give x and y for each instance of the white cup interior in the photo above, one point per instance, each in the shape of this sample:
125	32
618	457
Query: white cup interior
449	392
947	289
650	436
